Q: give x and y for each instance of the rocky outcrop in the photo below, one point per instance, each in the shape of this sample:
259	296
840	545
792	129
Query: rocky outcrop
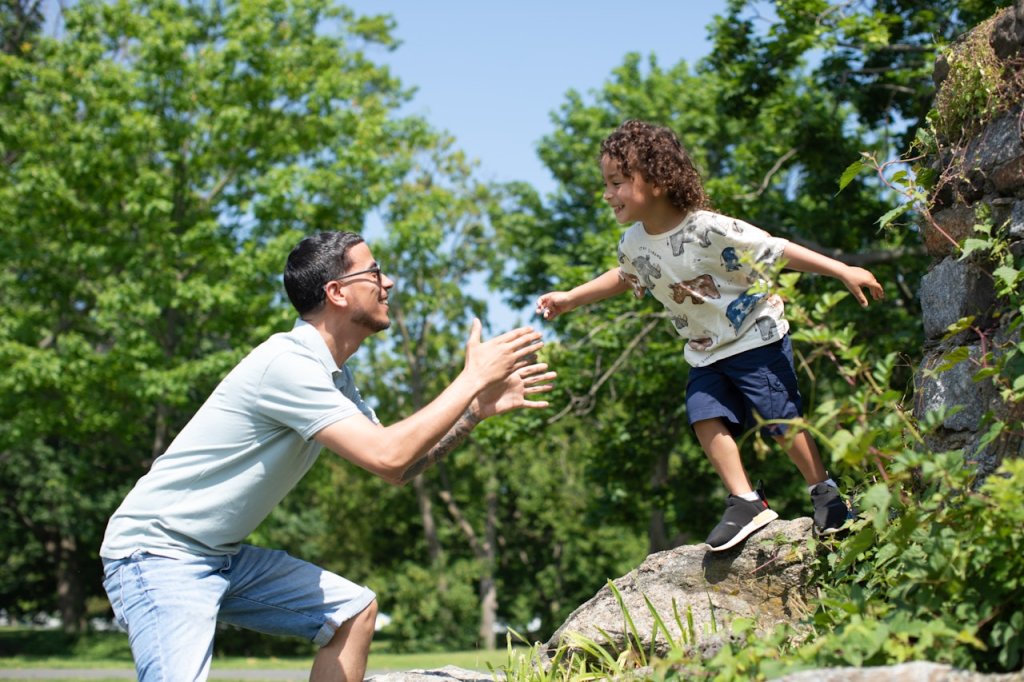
696	593
982	176
449	673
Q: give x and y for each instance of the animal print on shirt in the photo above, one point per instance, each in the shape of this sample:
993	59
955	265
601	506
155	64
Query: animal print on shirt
740	308
701	344
634	282
646	271
730	259
697	289
768	327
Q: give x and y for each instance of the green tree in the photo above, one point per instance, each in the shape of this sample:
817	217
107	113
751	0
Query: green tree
20	24
791	94
158	162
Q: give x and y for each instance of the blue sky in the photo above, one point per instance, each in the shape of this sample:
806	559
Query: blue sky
491	73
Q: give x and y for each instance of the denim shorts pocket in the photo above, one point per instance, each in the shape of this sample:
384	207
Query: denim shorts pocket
112	570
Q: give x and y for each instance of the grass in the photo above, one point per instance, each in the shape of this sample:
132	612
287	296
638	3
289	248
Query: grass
22	649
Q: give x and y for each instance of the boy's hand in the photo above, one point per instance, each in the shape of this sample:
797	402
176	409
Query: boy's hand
553	304
857	278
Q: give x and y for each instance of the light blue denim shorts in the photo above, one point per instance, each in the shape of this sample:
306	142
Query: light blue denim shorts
170	606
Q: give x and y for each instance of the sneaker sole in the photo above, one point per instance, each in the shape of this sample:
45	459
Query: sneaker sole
756	523
832	531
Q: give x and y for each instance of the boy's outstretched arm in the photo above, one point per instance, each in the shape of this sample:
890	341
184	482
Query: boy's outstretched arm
856	279
605	285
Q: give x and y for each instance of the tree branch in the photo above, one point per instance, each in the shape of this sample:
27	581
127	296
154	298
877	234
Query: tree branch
861	258
479	550
585	403
768	176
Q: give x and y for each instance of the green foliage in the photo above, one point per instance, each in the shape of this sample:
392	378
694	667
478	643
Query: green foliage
977	87
160	158
931	570
431	606
159	161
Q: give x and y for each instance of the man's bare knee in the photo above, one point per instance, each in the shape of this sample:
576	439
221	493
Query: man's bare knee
360	625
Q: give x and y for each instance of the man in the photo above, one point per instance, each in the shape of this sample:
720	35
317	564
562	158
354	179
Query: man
174	561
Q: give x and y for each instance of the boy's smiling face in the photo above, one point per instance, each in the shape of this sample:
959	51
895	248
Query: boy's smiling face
631	198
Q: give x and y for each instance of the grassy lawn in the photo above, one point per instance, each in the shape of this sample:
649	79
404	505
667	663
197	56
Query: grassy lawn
24	649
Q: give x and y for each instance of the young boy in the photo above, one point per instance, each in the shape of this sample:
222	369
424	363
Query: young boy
702	266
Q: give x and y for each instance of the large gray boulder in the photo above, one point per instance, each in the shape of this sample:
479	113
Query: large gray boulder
764	578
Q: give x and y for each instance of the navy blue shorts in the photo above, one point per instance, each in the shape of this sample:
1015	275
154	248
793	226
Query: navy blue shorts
759	381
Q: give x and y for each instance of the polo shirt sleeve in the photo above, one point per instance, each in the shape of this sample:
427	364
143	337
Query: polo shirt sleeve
298	391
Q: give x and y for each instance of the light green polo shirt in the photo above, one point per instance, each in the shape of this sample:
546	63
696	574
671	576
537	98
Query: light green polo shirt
246	447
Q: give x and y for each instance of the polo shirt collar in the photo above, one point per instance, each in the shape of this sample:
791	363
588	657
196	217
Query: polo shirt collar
309	337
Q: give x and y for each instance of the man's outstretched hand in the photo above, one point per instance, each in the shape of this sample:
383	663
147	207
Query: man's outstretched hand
512	393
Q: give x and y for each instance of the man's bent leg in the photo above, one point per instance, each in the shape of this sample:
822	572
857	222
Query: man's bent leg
344	657
273	592
169	608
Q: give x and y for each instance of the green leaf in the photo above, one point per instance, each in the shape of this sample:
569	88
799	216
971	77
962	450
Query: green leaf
891	215
971	245
852	171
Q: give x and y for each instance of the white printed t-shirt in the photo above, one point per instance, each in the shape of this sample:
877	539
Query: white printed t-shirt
702	272
246	447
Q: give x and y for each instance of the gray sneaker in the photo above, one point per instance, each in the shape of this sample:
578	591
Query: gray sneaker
831	512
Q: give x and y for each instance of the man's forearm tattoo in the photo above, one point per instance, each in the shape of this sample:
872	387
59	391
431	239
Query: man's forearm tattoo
448	442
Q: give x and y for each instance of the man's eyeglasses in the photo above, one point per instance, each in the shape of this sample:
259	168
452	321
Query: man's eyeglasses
375	271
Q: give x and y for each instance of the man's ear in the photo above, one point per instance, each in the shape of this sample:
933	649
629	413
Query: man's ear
334	294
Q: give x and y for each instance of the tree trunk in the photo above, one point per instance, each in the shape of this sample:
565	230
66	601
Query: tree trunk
426	508
70	601
488	585
657	534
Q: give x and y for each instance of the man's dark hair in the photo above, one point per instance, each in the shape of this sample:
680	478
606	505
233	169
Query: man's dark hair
313	263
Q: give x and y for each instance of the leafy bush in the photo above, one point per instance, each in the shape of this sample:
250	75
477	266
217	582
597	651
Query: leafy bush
426	618
934	567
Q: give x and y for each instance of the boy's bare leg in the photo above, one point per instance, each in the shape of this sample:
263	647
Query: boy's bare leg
343	659
724	453
803	451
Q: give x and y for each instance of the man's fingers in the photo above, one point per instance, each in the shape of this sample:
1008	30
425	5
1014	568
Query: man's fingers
474	331
536	373
513	335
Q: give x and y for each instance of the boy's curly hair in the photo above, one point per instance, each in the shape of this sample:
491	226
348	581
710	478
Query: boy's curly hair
657	155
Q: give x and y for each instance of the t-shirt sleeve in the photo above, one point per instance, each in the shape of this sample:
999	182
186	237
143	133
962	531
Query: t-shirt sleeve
298	392
744	246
